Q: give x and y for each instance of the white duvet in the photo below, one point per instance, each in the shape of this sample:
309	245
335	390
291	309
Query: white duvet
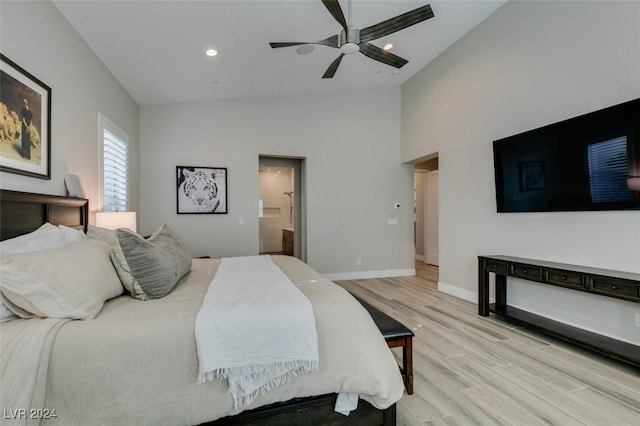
137	363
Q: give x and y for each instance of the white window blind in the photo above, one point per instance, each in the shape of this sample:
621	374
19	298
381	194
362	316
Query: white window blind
608	171
115	169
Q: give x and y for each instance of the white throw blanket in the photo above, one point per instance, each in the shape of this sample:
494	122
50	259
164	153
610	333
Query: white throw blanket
255	328
25	349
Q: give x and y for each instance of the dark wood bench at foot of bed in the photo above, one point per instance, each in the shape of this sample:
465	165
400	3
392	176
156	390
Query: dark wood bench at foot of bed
397	335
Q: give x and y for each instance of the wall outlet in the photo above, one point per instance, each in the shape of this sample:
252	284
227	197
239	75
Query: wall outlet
637	320
359	262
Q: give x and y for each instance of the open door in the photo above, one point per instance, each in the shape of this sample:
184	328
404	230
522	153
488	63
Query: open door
431	218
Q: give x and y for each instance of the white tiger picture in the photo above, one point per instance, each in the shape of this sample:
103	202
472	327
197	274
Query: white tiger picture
202	190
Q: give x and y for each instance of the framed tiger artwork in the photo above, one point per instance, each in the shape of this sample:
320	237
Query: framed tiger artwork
201	190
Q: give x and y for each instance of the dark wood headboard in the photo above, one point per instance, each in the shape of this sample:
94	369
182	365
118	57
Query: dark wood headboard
24	212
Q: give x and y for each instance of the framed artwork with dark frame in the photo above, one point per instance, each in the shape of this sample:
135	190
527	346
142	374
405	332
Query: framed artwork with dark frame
201	190
25	122
532	175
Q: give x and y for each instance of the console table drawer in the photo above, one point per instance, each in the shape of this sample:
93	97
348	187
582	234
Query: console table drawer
497	267
564	278
615	288
528	272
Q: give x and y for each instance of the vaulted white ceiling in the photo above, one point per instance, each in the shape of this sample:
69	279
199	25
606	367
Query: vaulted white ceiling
156	49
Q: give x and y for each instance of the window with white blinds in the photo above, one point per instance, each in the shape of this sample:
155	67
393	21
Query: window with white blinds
608	171
115	168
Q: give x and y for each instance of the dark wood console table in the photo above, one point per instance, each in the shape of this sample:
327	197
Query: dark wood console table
616	284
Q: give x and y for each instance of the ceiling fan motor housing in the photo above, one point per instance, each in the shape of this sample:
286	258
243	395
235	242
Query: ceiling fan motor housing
349	40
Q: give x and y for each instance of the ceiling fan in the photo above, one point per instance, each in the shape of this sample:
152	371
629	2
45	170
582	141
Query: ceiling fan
351	40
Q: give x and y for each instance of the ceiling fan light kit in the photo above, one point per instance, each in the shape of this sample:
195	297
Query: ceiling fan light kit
352	40
348	40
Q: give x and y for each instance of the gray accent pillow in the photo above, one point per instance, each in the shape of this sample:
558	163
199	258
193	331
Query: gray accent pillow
150	268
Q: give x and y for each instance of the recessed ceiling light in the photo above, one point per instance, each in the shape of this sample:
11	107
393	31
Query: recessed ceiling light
395	72
388	46
211	52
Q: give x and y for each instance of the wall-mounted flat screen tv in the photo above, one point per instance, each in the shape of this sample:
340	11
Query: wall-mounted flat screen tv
586	163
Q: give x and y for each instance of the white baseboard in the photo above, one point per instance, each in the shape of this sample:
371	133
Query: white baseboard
420	258
458	292
361	275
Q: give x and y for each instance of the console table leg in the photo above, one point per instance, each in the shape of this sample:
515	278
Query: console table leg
501	292
483	289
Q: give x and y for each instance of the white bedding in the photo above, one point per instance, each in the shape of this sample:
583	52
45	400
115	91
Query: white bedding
136	362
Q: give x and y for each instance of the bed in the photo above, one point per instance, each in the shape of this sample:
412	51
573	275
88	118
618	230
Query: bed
136	362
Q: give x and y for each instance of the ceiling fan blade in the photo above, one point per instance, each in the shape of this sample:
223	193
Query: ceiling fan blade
286	44
329	41
336	11
396	24
331	71
381	55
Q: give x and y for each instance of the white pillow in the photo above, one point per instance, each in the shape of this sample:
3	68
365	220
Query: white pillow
71	235
46	237
69	282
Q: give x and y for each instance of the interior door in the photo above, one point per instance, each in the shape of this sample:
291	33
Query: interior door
419	215
431	213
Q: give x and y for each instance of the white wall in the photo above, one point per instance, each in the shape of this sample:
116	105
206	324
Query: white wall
351	142
38	38
529	64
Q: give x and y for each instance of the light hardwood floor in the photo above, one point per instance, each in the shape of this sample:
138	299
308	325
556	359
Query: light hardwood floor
471	370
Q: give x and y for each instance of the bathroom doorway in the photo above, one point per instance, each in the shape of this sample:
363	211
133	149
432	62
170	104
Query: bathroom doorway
426	200
281	206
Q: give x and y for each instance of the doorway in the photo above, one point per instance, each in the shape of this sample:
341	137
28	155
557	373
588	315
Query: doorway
281	206
426	220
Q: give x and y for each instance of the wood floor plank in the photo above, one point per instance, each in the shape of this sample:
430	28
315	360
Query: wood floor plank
607	368
444	421
472	370
543	373
508	411
606	386
613	407
439	387
512	395
436	368
416	409
560	398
